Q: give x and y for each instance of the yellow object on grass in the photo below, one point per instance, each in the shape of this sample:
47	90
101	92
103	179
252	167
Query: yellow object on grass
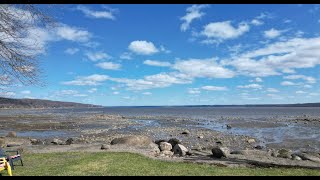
4	165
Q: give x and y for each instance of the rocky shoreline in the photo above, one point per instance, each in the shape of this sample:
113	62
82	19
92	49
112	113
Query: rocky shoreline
166	138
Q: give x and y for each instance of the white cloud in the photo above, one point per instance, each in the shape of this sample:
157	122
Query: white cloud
257	80
143	47
257	22
157	63
109	66
7	94
314	94
126	56
288	83
194	91
115	92
193	12
165	50
96	14
301	92
71	51
147	93
308	79
203	68
220	31
25	92
160	80
251	86
214	88
72	33
68	93
92	80
287	21
272	33
278	57
96	56
272	90
92	90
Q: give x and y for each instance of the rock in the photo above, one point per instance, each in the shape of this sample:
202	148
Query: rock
57	142
164	146
166	153
305	156
36	142
12	134
251	141
273	152
186	132
69	141
284	153
105	147
295	157
180	149
2	142
154	148
229	126
219	143
200	137
258	147
133	141
159	141
174	141
219	152
13	145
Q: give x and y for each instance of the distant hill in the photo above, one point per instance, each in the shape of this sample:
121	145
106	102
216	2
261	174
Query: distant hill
37	103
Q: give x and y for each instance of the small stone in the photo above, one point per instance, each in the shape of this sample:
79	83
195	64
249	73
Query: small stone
166	153
258	147
69	141
174	141
251	141
200	137
105	147
229	126
297	158
12	134
186	132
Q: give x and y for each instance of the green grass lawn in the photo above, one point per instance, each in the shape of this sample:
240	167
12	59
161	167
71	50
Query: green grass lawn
128	164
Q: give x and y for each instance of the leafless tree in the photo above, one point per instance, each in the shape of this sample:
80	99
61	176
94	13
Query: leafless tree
19	51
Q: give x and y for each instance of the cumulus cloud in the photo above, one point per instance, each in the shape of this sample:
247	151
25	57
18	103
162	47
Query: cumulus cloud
220	31
72	33
109	65
126	56
92	80
250	86
147	93
157	63
73	93
208	68
272	90
308	79
194	91
96	14
278	57
92	90
257	22
96	56
115	92
193	12
288	83
143	47
214	88
301	92
272	33
7	94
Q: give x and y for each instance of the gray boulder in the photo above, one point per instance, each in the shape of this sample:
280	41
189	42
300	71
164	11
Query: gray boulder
284	153
220	152
133	141
57	142
105	147
306	156
180	149
69	141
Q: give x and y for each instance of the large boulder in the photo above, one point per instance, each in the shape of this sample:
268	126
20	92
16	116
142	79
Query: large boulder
154	148
57	142
164	146
284	153
174	142
306	156
12	134
105	147
180	149
69	141
132	141
220	152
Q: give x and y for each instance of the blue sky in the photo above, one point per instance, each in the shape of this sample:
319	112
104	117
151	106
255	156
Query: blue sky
127	55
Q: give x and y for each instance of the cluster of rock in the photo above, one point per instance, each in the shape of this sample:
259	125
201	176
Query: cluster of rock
54	141
172	147
108	117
